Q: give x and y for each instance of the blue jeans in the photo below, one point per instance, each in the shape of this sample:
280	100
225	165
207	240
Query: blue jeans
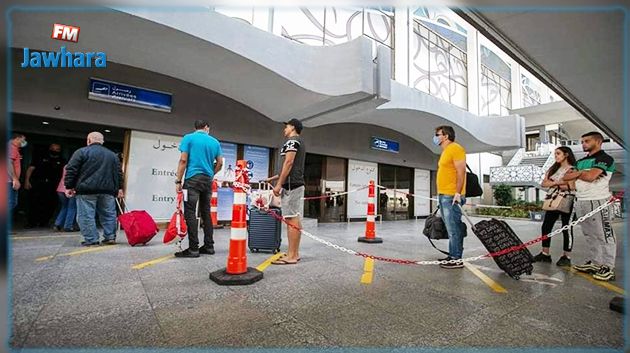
88	206
68	211
13	197
452	217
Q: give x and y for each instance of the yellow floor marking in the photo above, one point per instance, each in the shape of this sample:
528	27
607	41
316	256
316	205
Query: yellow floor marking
590	278
268	262
78	252
153	262
368	271
46	236
487	280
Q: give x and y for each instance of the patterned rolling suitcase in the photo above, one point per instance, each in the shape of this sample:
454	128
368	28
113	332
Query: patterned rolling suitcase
264	230
496	235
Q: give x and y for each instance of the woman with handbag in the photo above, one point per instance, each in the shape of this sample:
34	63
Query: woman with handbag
558	204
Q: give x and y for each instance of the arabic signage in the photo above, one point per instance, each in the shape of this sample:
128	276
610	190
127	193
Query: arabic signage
257	162
384	145
422	187
359	175
119	93
151	173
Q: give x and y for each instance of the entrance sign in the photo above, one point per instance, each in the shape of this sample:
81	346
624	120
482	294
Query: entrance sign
359	175
151	173
422	187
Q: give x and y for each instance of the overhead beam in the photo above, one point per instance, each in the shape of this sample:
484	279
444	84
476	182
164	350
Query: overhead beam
484	26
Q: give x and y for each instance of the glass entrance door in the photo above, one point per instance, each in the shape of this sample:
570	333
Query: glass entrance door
393	202
313	166
323	176
387	197
334	181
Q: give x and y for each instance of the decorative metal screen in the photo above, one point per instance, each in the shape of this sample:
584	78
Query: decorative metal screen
438	66
495	93
531	92
333	25
516	175
244	14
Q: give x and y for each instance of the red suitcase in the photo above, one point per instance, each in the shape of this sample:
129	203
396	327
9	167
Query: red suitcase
139	226
177	226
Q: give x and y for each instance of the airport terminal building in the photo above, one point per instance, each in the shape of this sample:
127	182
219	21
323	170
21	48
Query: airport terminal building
369	84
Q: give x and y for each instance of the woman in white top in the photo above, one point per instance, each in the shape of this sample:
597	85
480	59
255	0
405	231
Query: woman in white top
565	161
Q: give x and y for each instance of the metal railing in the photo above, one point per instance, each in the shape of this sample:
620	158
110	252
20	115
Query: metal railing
517	158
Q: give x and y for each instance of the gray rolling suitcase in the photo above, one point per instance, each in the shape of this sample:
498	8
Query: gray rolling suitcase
264	231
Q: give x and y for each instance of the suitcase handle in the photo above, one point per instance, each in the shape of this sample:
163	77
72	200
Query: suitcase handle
121	208
472	225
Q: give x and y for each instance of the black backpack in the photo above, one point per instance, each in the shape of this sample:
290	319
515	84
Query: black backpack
435	229
473	188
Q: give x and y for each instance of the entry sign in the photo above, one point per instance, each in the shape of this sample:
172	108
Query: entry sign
119	93
385	145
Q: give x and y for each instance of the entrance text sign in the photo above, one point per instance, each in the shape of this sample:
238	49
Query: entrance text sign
151	173
359	175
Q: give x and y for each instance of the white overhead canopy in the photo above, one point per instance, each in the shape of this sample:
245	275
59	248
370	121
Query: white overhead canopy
576	52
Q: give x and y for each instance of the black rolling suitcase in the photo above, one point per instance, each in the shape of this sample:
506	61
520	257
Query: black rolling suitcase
264	230
496	235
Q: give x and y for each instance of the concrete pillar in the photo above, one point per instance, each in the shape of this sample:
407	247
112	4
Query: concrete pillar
517	92
543	135
474	70
402	34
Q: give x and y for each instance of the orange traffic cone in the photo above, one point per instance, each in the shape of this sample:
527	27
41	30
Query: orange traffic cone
214	205
370	227
237	272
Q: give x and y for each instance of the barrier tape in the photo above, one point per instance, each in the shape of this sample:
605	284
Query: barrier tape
612	200
247	188
434	199
334	195
443	262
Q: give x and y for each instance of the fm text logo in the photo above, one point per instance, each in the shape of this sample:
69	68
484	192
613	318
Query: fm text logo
65	32
63	58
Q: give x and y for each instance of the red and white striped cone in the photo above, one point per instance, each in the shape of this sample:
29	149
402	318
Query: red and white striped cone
237	272
370	227
214	205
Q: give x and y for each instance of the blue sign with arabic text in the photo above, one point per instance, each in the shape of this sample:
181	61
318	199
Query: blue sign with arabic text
113	92
384	145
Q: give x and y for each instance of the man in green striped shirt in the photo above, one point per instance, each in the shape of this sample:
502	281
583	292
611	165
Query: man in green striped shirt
592	176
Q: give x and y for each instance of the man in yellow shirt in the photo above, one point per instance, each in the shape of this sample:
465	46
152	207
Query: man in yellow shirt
451	186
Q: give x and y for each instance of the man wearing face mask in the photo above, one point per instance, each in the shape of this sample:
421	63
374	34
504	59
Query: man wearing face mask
15	167
451	187
42	178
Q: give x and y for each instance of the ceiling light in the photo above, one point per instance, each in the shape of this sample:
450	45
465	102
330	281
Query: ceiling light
107	130
45	123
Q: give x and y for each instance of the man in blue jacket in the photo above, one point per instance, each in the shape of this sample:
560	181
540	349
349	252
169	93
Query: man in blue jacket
94	175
